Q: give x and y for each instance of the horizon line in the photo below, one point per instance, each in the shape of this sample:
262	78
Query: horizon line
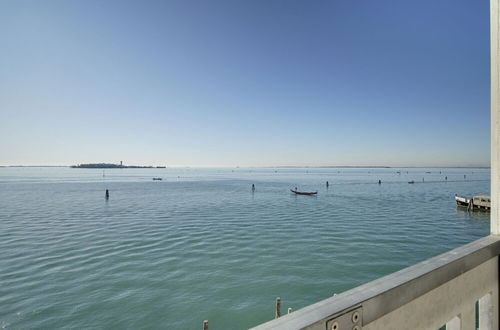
275	166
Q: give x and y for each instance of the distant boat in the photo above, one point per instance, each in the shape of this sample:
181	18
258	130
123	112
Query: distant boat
157	179
411	182
303	192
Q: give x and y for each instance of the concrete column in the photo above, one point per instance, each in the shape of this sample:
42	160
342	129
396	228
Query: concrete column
486	313
468	317
495	117
453	324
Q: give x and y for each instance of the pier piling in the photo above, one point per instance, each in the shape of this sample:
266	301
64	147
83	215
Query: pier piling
278	307
205	325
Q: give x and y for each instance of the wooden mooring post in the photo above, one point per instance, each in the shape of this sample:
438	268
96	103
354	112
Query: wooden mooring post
205	325
278	307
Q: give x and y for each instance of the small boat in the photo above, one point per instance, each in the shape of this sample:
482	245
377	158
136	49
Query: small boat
462	201
411	182
303	192
157	179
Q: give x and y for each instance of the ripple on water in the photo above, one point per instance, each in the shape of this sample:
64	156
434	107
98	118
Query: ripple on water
175	253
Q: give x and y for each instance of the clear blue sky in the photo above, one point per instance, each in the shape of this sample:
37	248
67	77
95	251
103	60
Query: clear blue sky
245	83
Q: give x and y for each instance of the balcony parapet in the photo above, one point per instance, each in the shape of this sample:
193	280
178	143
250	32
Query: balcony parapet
441	290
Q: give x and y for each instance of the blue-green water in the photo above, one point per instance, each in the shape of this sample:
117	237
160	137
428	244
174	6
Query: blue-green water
200	245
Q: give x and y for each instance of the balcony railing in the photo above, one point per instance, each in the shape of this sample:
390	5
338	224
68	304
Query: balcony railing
444	290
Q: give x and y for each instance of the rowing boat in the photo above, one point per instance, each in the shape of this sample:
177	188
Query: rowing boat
303	192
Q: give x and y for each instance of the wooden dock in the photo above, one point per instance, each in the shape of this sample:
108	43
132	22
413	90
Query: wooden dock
482	202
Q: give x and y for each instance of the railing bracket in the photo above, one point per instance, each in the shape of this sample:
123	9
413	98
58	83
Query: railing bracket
350	320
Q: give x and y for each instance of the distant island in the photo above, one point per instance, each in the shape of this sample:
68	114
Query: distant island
106	165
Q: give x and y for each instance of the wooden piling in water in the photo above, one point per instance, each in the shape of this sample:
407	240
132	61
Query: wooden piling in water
205	325
278	307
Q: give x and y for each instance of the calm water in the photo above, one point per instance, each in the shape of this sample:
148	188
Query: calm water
200	245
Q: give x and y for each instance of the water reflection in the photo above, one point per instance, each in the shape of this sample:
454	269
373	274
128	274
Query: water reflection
463	214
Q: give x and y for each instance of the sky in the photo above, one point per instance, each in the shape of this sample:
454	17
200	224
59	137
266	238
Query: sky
245	83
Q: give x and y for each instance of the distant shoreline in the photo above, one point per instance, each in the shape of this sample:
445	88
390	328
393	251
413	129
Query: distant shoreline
232	167
351	166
